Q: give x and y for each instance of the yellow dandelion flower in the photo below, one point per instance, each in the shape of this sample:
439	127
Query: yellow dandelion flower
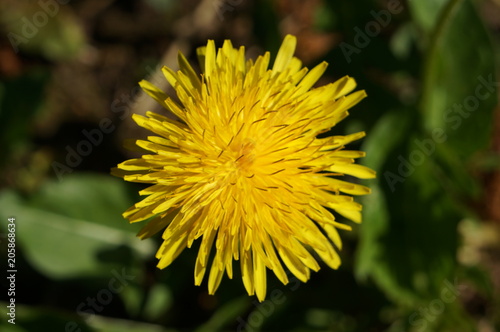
243	169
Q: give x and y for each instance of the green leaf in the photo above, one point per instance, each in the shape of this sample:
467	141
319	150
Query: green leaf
31	318
426	13
100	199
408	239
382	139
107	324
459	92
38	318
385	137
414	251
68	228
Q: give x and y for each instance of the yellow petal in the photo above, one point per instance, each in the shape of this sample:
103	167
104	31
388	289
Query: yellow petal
203	253
285	53
247	271
259	277
210	56
186	68
216	273
170	250
311	78
350	214
342	87
356	170
353	99
154	92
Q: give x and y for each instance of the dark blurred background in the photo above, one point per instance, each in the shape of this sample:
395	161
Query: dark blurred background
425	258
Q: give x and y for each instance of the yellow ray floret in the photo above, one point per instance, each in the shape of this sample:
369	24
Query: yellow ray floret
242	167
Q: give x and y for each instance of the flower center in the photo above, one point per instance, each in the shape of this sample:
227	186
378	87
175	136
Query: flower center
246	155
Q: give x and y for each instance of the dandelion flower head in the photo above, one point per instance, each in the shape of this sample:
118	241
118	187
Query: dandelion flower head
243	170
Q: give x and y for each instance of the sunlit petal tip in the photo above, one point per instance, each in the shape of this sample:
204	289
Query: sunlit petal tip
138	118
285	53
210	58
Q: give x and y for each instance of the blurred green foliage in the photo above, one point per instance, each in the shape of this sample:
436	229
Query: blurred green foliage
430	74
